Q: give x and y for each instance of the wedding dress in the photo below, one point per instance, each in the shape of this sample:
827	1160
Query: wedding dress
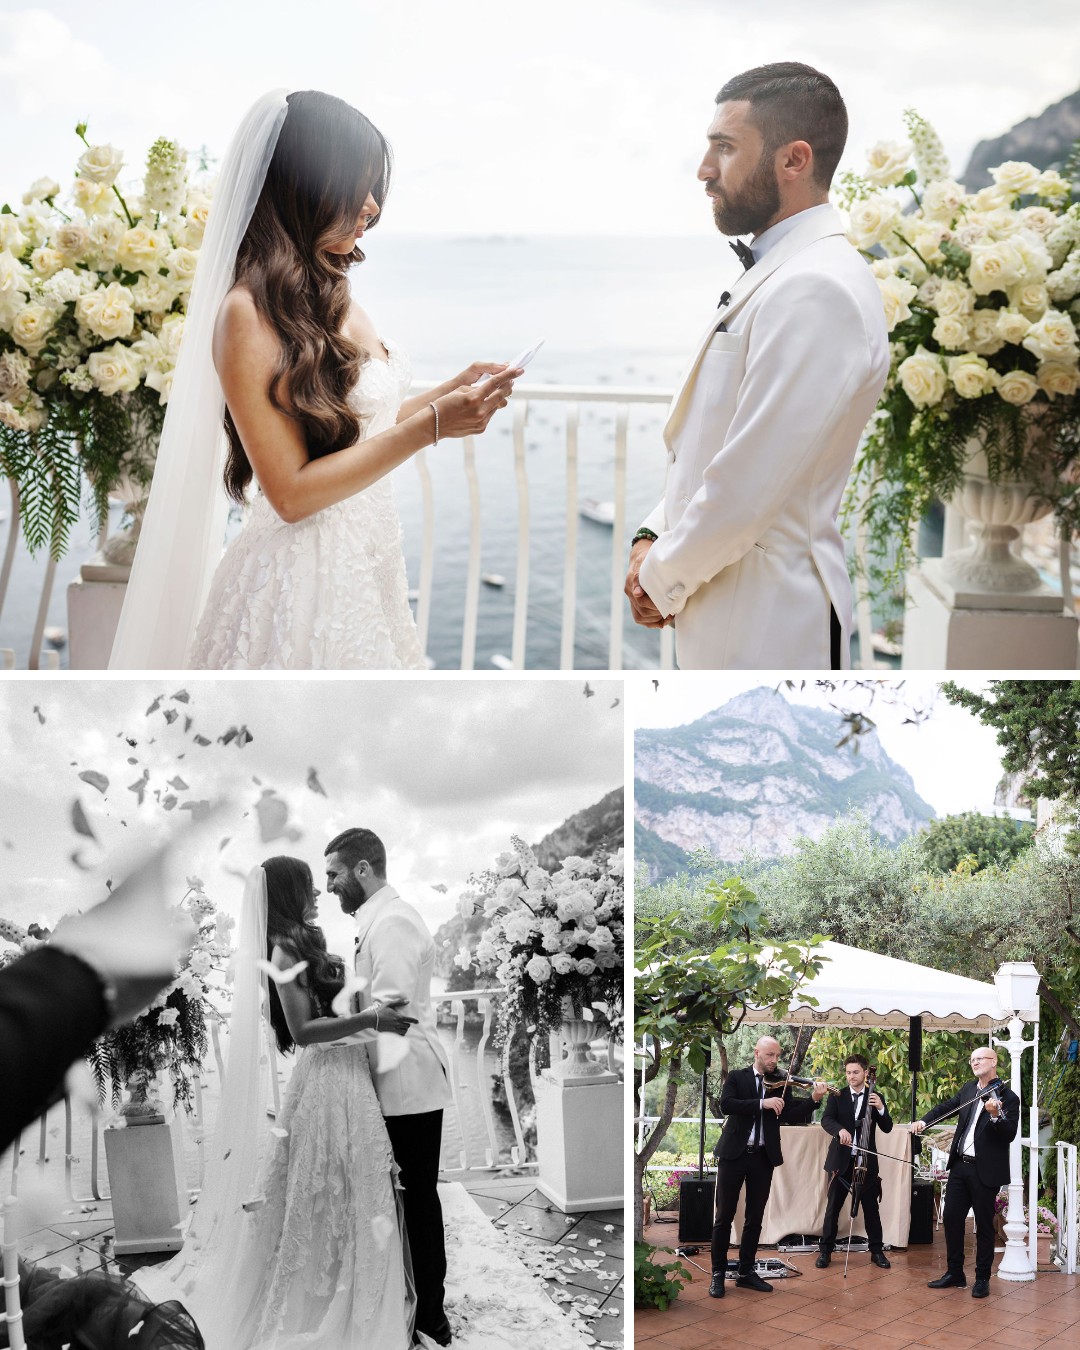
328	592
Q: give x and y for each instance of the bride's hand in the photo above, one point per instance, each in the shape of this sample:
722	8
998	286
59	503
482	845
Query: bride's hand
472	373
392	1021
468	410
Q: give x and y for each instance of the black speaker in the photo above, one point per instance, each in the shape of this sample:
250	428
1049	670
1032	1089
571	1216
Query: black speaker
922	1214
697	1200
914	1053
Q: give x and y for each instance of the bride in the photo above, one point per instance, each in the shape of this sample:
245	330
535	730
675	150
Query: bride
304	1249
284	379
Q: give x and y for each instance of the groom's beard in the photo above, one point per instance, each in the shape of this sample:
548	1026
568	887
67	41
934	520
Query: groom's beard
350	895
757	202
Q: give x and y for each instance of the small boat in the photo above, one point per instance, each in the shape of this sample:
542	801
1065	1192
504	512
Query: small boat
501	662
495	579
602	512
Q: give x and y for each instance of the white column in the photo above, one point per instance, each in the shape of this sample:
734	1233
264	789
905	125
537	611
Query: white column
1016	1264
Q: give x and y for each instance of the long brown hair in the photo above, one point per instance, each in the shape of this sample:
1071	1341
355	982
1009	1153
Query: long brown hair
289	890
327	159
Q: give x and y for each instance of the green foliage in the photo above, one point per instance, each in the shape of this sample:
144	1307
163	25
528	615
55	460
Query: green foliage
1038	726
659	857
656	1285
149	1045
986	840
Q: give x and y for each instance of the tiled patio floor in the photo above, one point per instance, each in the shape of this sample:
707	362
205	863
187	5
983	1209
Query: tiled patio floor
872	1310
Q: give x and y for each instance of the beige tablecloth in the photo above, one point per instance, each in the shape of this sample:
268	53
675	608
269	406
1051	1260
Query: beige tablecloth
799	1189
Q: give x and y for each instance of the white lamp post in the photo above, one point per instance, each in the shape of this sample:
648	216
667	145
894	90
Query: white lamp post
1017	984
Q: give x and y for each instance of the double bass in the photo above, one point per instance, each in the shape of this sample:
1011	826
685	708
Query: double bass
861	1151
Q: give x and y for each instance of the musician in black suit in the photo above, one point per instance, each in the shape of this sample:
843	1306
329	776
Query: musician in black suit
978	1167
747	1152
843	1118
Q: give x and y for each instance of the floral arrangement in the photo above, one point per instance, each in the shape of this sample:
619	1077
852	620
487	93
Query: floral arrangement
982	295
1046	1219
550	937
171	1034
92	302
665	1189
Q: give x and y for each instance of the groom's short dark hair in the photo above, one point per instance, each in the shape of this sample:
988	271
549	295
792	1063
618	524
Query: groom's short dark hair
793	102
359	845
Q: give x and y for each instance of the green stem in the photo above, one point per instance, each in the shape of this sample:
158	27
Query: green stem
913	249
123	204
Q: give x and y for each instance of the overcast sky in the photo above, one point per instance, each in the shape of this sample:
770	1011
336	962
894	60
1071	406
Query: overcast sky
443	771
953	758
571	116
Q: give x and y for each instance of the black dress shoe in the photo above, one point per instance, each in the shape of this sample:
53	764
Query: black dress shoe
440	1333
716	1284
754	1281
823	1259
881	1260
980	1289
948	1281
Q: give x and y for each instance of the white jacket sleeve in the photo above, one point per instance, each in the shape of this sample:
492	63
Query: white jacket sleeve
808	352
395	961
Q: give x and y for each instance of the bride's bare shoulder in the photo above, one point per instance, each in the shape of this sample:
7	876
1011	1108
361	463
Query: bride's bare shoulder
241	332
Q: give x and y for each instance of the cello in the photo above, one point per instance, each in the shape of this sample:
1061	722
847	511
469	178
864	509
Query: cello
861	1152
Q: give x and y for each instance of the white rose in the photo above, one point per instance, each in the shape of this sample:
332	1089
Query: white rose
896	295
990	198
925	237
539	969
40	190
153	293
887	163
586	966
995	266
1012	326
142	249
181	263
92	199
953	297
509	890
200	963
1018	387
970	375
1034	254
1040	219
32	326
35	221
11	237
1052	186
1031	298
984	338
45	261
562	964
105	235
973	231
73	240
922	378
942	199
872	220
107	311
114	370
1059	377
101	164
951	330
1053	337
168	1017
14	376
196	213
1016	177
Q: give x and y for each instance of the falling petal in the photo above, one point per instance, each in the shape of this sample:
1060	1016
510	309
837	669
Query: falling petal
250	1206
95	779
281	976
342	1004
154	706
108	885
139	787
201	740
131	741
135	1330
199	810
383	1230
589	691
314	784
79	821
132	759
169	802
616	703
171	715
178	783
181	696
187	724
273	816
40	714
278	1132
440	886
224	842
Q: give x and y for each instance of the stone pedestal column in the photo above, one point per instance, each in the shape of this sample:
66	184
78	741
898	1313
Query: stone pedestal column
579	1142
95	599
149	1194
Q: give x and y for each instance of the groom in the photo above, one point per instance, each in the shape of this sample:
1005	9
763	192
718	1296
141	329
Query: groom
743	554
395	953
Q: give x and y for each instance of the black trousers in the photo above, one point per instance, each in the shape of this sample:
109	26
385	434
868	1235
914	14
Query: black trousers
417	1141
963	1192
838	1196
835	642
754	1170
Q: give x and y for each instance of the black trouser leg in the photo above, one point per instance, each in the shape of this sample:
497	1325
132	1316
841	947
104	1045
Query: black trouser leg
963	1192
416	1141
872	1214
836	638
838	1193
755	1171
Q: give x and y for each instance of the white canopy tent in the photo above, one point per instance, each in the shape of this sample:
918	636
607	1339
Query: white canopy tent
862	989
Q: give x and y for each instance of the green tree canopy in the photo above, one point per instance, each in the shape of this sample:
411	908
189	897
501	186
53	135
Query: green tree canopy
986	840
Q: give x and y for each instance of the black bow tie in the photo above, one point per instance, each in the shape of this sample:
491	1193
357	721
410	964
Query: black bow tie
743	253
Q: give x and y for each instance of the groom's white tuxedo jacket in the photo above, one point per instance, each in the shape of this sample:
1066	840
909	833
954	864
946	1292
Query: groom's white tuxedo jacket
761	436
395	953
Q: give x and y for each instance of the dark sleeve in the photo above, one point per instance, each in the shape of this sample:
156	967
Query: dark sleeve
1006	1128
732	1105
797	1110
830	1120
52	1007
943	1108
883	1122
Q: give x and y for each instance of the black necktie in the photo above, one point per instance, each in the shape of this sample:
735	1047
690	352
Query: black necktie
743	253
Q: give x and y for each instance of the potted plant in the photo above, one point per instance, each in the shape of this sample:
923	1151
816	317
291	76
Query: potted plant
93	294
980	408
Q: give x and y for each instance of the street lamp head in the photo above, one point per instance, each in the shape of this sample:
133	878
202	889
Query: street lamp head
1017	985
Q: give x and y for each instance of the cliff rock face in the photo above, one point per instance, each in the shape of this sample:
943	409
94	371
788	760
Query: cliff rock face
755	775
1044	141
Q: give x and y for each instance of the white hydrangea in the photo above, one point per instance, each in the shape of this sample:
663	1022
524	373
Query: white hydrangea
165	184
931	162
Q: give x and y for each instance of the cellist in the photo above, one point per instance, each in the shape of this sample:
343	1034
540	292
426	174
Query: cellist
854	1117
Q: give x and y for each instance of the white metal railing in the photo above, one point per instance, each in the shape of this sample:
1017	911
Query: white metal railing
1068	1240
619	400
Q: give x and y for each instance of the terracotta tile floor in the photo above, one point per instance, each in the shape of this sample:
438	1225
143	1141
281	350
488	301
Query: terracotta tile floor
872	1310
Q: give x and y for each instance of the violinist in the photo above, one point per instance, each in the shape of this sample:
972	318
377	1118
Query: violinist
747	1152
845	1117
989	1114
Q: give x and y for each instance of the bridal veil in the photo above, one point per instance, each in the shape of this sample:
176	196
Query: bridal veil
184	524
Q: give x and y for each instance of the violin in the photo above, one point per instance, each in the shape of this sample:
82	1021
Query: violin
780	1082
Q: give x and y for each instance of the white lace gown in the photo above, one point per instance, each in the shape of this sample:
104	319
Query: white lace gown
323	1264
326	593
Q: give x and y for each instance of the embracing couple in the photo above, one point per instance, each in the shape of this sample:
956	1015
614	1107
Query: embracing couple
283	382
334	1239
